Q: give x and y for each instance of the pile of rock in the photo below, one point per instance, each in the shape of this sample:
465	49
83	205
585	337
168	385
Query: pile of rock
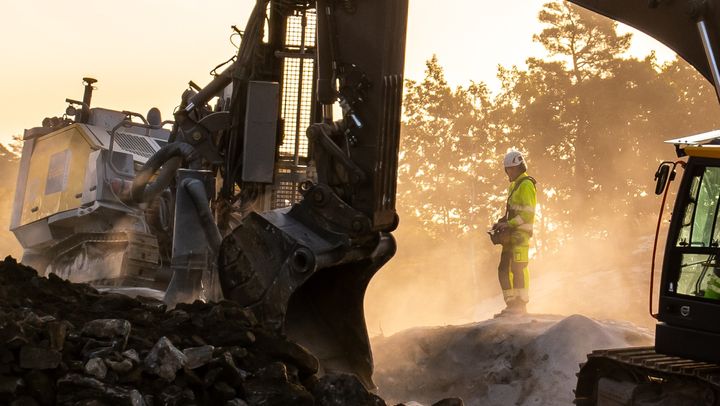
68	344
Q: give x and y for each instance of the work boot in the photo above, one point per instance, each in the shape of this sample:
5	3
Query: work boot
515	307
507	311
518	307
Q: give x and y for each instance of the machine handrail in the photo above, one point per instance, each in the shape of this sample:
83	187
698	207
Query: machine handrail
657	233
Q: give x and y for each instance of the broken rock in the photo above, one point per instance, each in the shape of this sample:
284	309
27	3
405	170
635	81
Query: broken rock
289	351
67	344
164	359
57	331
74	389
336	390
39	358
121	367
198	356
107	328
97	368
132	355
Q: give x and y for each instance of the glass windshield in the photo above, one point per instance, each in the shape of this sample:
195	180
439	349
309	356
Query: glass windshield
699	276
698	237
699	217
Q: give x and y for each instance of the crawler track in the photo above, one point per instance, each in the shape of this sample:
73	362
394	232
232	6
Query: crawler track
640	376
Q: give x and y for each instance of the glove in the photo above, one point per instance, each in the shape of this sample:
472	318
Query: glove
500	226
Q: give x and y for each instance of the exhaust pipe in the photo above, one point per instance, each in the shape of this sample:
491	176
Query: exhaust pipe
87	98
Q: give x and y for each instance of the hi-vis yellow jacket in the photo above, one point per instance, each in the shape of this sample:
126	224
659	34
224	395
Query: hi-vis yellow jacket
521	204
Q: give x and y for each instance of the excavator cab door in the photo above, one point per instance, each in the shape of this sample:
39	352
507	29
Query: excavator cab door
690	284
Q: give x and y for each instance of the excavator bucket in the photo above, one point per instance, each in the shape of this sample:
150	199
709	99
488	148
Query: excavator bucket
305	281
327	315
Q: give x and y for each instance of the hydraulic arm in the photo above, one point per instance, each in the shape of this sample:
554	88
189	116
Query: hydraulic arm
304	269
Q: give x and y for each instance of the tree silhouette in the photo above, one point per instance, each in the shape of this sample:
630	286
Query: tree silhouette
588	41
440	152
590	119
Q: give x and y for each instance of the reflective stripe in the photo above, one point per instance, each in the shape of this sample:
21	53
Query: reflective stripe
523	208
525	227
523	294
509	295
517	222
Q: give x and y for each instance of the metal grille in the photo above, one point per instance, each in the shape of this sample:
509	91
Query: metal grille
135	144
297	102
297	106
294	38
285	192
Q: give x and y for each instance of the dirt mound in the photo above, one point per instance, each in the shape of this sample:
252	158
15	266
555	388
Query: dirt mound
68	344
528	360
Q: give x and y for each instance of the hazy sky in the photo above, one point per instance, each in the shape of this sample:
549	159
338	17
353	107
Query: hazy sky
143	52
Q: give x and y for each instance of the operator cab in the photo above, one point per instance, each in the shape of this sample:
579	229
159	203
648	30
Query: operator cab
690	285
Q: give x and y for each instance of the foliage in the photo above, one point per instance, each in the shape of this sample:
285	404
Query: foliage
590	119
437	163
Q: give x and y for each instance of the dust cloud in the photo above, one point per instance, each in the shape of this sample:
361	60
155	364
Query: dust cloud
454	281
9	245
430	283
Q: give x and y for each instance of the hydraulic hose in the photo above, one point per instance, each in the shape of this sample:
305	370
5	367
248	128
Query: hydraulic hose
170	158
164	178
196	191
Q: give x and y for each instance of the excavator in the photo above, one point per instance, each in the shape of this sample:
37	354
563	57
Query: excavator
274	186
683	368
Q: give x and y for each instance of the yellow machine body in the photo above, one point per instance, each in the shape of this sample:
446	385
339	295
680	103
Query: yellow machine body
56	173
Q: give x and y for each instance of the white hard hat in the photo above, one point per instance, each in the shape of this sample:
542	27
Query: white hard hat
513	158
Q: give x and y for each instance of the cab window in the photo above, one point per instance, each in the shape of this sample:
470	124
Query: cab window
700	226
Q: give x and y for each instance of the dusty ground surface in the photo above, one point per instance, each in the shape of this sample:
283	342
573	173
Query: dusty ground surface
528	360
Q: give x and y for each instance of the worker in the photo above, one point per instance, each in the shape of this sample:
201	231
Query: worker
712	291
516	228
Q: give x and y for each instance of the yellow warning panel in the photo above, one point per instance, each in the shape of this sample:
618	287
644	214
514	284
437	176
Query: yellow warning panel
56	174
708	151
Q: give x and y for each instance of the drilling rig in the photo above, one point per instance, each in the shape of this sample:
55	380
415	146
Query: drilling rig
273	185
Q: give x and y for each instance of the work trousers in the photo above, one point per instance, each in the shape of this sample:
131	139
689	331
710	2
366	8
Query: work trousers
513	269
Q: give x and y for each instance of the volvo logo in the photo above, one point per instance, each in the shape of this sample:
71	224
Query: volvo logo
685	311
